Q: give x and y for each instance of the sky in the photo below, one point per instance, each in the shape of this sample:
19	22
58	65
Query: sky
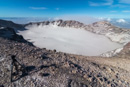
56	8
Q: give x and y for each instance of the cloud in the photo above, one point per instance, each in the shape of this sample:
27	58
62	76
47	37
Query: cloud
107	2
126	11
38	8
124	1
120	6
109	19
121	21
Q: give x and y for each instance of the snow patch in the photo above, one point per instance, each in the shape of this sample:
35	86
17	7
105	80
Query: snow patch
121	21
112	53
120	38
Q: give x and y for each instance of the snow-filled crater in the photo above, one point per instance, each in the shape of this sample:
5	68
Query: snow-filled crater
69	40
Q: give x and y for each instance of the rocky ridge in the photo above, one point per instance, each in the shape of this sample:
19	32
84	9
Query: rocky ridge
10	24
9	33
115	34
125	51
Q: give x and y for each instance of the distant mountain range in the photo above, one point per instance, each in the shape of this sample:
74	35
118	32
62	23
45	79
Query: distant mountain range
25	20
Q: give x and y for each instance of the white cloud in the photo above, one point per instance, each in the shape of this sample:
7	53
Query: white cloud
120	6
107	2
125	1
121	21
101	18
108	19
126	11
38	8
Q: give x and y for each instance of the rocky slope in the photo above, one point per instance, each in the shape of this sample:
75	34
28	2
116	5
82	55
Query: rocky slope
61	23
125	52
9	33
47	68
16	27
115	34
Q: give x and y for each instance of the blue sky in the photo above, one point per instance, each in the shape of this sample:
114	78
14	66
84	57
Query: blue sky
55	8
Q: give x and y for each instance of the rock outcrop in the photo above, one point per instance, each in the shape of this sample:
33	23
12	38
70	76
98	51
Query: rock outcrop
114	33
125	52
60	23
10	24
9	33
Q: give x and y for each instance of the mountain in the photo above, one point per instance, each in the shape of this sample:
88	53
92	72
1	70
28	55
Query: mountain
9	33
5	23
116	34
125	52
61	23
25	20
49	68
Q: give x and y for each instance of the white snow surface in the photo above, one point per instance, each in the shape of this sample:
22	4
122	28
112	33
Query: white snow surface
112	53
69	40
121	21
123	38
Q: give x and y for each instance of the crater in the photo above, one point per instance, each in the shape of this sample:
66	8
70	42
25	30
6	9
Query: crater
68	40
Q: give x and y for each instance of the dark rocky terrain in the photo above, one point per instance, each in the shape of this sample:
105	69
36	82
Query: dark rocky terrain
48	68
9	33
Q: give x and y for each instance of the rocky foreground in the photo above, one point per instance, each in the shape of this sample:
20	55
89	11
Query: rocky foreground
47	68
